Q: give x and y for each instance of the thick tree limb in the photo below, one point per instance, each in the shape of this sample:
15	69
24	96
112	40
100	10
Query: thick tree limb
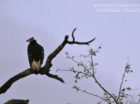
17	101
53	54
45	70
8	84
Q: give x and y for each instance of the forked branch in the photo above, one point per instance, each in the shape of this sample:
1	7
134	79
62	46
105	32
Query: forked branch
80	43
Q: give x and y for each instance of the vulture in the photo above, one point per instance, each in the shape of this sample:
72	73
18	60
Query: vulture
35	54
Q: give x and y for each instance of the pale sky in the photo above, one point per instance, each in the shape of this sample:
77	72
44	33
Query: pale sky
49	21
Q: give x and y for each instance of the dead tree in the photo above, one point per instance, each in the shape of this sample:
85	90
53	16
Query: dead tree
45	70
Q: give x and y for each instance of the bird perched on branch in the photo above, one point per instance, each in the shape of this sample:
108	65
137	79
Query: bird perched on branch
35	54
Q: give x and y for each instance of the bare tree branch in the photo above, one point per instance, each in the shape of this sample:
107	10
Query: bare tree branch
73	34
17	101
53	54
45	70
84	91
80	43
55	77
100	85
8	84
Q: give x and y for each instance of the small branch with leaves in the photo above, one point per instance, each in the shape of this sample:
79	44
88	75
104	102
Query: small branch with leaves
89	93
122	90
45	70
89	71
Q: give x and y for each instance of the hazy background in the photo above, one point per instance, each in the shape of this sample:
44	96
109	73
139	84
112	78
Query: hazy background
49	21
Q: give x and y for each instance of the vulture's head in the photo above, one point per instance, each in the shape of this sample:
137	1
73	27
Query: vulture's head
31	40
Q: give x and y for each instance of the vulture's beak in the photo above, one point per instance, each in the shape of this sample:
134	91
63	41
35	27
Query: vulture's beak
30	39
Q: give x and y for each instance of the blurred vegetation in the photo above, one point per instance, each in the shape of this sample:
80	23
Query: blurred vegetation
88	69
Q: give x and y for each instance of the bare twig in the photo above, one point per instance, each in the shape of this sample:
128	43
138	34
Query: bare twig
99	84
45	70
73	34
75	71
84	91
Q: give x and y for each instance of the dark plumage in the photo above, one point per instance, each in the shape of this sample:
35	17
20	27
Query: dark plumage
35	54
